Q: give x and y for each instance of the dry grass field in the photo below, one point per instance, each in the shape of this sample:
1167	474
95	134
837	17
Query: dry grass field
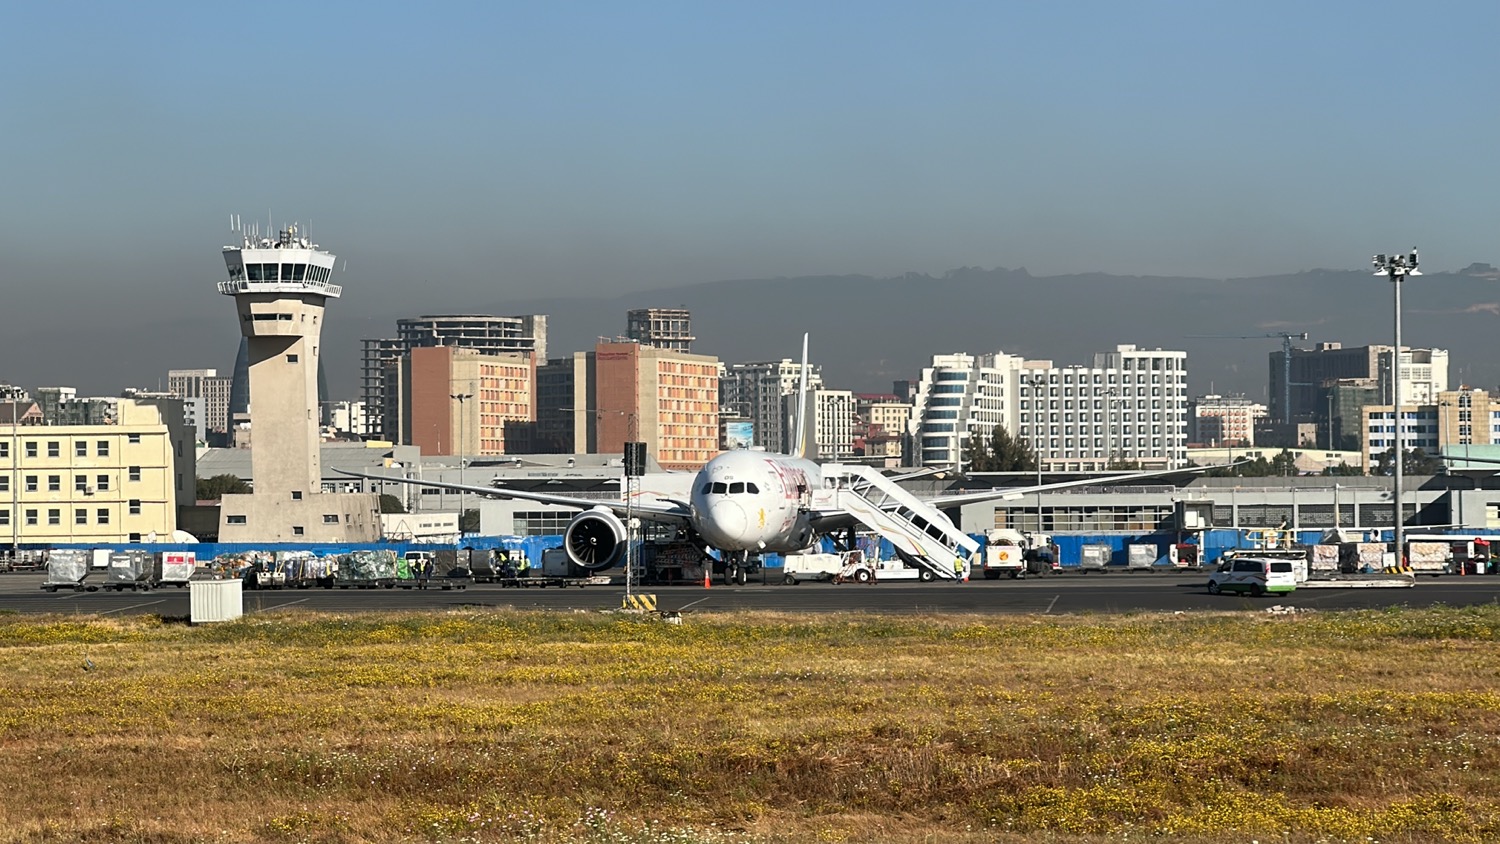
503	726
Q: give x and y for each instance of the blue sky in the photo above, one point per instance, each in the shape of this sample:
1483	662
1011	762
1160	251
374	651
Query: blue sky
463	153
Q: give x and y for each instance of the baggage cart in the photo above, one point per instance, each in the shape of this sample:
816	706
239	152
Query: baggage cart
367	570
482	566
1140	557
67	568
133	570
177	568
1094	557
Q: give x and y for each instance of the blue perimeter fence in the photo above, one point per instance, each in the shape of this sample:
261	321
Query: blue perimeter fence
1213	544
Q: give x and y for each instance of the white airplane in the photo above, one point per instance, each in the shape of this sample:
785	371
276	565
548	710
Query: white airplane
746	503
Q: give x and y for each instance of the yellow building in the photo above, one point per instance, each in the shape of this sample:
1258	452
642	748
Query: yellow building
97	483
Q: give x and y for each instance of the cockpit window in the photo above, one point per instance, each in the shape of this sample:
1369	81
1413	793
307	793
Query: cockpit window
752	488
737	488
707	488
720	488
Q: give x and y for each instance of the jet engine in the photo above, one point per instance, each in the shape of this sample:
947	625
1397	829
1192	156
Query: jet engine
595	539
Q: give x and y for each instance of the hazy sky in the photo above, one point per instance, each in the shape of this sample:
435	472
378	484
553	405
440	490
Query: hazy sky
457	154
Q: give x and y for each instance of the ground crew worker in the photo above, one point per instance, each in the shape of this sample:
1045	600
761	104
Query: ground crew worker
960	567
523	565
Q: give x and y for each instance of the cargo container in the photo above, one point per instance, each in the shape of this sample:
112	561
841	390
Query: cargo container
1094	557
1140	557
68	568
133	570
366	570
1357	557
1429	557
177	568
1323	559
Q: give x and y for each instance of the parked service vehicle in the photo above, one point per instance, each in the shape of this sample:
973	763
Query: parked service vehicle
796	568
1253	575
1014	554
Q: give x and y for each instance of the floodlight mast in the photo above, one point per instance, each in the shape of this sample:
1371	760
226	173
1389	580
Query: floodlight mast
1397	268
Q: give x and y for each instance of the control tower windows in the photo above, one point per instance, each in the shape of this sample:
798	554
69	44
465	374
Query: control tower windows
286	272
298	271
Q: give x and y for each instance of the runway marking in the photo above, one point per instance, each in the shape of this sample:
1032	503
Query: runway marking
70	595
278	606
133	606
1051	605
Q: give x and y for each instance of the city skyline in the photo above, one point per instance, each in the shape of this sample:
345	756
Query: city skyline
475	155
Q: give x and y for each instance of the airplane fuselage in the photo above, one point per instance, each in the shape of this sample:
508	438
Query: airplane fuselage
755	501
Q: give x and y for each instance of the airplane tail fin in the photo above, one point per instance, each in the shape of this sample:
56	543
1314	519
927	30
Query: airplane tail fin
799	440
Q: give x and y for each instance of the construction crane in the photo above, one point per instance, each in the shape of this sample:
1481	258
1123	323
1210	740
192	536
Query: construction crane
1286	362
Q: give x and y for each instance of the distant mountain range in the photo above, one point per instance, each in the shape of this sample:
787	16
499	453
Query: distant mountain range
867	332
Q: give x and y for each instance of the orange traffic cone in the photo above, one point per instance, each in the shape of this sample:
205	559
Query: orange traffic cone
707	573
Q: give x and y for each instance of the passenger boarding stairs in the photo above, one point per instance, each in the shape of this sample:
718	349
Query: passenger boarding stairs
920	533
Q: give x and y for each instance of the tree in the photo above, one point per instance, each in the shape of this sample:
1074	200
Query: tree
1343	470
1009	454
1002	453
1417	462
1284	464
216	487
391	504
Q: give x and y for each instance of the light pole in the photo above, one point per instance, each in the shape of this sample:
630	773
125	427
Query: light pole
1037	382
1112	400
1397	268
463	446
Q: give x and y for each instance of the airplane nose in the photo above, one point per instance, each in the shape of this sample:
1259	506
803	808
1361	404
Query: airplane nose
729	519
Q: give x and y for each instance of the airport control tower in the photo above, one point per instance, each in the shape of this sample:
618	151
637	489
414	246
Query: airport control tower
280	286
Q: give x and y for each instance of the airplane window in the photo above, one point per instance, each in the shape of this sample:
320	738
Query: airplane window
720	489
752	488
707	488
737	488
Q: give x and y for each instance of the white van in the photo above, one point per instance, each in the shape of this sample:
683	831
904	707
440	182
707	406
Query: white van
1255	575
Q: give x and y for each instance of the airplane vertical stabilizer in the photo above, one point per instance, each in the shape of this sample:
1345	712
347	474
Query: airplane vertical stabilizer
800	426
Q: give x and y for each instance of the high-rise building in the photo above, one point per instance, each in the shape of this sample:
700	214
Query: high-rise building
1130	406
211	394
280	287
832	423
756	391
482	332
1215	420
564	397
667	399
959	396
661	328
467	402
1424	374
880	421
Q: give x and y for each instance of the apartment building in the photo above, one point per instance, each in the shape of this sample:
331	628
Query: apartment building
1129	406
1215	420
467	402
380	357
756	391
108	483
667	399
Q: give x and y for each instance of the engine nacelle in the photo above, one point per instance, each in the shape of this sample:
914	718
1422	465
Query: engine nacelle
595	539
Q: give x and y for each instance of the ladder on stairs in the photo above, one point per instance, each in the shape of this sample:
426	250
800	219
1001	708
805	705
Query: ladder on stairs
922	536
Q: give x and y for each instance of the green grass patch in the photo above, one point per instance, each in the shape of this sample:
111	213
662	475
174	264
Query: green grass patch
515	726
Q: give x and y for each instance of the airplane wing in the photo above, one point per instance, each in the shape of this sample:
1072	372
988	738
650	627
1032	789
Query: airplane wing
961	498
669	512
1457	458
